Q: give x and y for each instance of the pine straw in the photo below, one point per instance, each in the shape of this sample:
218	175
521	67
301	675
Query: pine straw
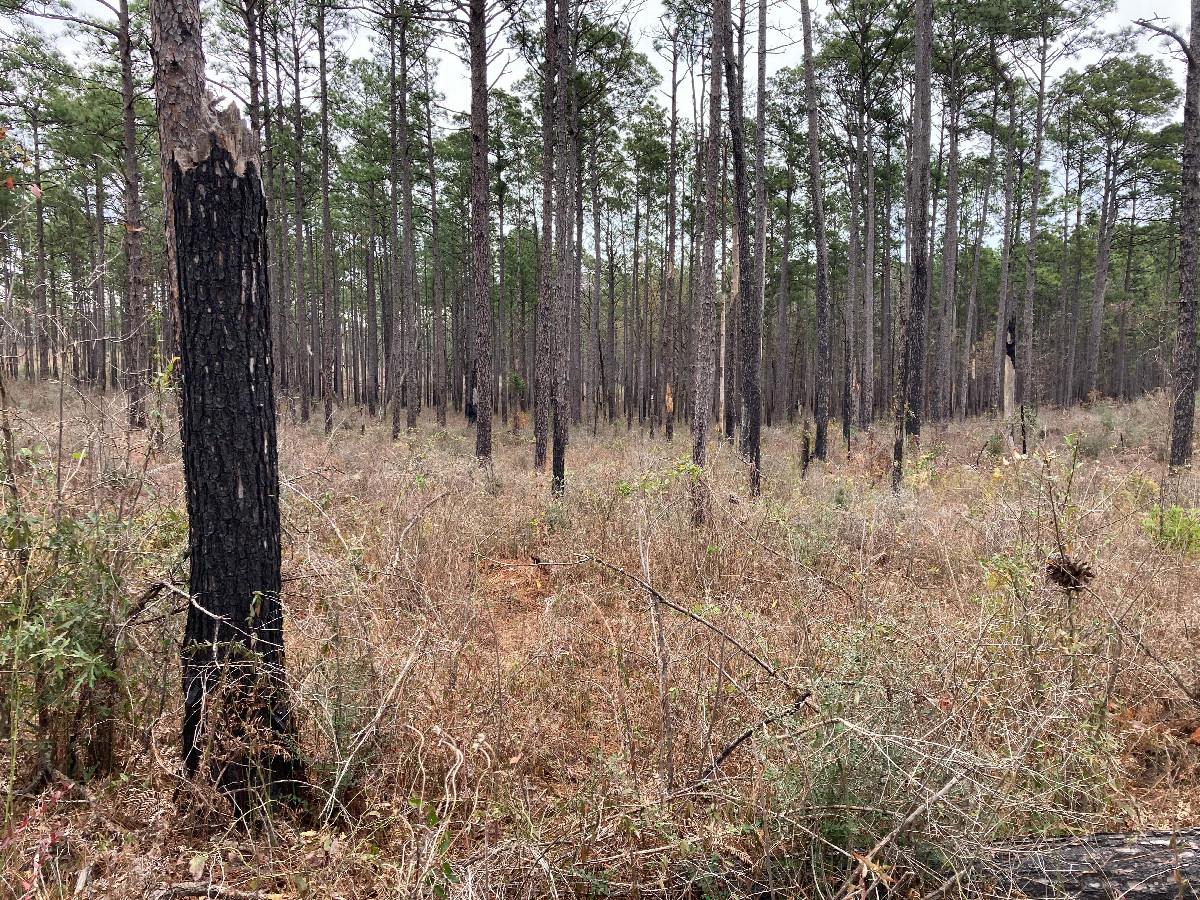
475	673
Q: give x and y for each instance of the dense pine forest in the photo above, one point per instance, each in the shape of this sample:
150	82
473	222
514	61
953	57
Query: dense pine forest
701	449
1054	200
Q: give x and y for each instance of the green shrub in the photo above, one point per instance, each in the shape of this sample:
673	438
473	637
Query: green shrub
1175	527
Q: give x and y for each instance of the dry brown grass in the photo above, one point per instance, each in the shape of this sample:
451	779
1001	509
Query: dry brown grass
483	688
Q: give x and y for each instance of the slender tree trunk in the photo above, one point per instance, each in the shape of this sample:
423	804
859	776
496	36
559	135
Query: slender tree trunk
137	352
749	314
304	339
1002	301
850	361
439	324
669	385
409	380
866	408
595	382
328	366
1183	411
760	227
912	394
372	349
42	327
887	324
943	387
544	339
823	362
481	267
779	401
1108	215
562	254
1027	374
965	375
704	334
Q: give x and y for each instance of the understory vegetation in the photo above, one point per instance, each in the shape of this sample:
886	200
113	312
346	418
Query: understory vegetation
827	689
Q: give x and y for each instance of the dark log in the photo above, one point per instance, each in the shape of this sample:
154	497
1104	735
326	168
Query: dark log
1157	865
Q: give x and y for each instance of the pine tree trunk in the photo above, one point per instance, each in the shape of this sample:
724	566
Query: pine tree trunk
1027	375
439	324
668	332
967	370
42	326
912	364
704	333
563	223
944	355
760	221
780	407
328	372
823	372
1108	214
1006	242
1183	411
217	251
866	406
544	324
481	268
372	348
749	315
408	286
135	336
303	337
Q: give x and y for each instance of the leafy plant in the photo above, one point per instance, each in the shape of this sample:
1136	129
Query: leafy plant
1175	527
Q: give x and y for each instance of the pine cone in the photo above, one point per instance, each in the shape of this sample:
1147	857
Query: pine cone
1068	573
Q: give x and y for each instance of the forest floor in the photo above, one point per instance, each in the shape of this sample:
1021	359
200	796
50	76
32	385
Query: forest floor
491	701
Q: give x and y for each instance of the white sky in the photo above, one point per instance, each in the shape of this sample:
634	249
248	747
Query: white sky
783	41
784	50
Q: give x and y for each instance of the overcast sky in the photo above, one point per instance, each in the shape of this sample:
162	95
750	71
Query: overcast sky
784	21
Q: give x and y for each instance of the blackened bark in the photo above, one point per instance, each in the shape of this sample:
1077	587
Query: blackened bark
235	622
1160	865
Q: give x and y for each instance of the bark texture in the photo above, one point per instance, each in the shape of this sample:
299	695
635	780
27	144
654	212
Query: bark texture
1183	413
